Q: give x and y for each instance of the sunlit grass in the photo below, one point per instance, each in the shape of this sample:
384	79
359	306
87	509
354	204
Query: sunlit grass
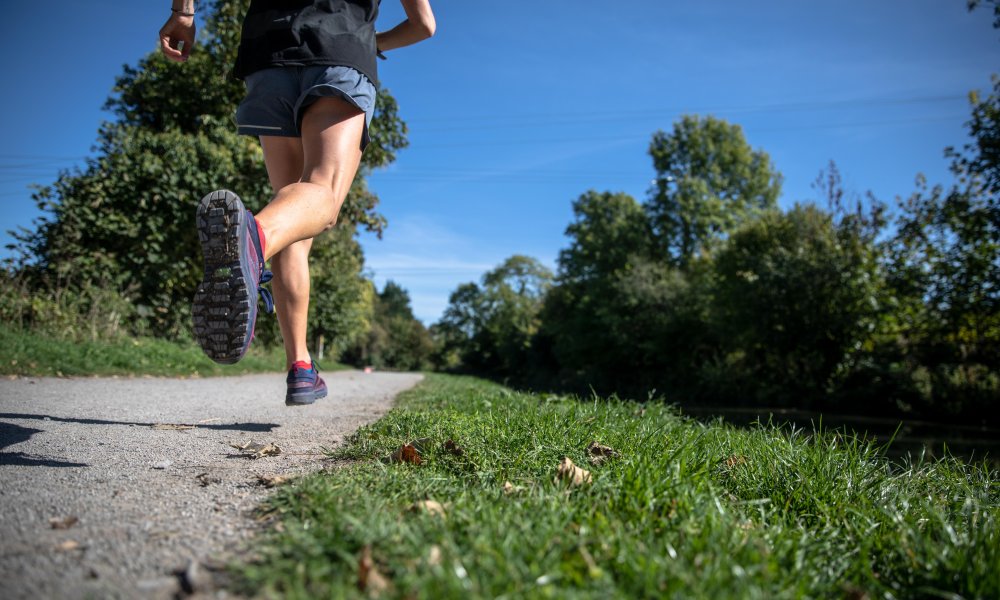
686	510
33	354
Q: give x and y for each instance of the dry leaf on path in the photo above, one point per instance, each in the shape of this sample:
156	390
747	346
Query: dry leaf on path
172	426
406	454
205	479
257	450
63	522
68	546
572	474
370	581
271	481
598	453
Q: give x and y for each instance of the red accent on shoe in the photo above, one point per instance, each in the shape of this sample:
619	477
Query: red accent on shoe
260	234
301	364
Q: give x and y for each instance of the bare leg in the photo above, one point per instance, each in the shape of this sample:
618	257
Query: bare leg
331	153
283	157
311	177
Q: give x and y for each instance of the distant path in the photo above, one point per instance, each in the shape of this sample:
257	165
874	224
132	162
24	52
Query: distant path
87	449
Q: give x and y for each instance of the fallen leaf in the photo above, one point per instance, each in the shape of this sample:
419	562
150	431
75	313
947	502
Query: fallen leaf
598	453
205	479
172	426
68	546
63	522
735	461
257	450
421	445
453	448
434	555
572	474
406	454
429	506
271	481
370	581
509	488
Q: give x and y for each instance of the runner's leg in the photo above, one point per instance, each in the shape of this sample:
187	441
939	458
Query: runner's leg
311	176
331	153
283	158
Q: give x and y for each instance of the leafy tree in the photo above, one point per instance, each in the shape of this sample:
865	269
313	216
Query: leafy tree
585	325
708	181
342	300
396	339
127	218
490	328
795	301
943	265
973	4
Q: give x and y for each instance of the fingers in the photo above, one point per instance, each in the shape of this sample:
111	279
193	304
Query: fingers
176	40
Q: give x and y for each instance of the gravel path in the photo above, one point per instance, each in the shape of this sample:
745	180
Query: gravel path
147	500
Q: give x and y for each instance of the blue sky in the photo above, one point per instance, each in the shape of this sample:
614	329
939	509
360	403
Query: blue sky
516	108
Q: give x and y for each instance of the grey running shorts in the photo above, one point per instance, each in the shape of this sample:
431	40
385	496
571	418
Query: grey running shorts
278	97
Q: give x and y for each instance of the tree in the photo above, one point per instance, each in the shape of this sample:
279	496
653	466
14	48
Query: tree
396	339
795	301
708	181
943	266
491	328
127	218
585	326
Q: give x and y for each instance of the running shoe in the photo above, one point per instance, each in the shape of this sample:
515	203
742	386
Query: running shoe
225	305
305	386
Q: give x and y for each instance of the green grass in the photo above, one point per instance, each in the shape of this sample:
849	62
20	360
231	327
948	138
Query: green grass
687	510
33	354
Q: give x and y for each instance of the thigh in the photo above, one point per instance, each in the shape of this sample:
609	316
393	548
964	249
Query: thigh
332	130
283	160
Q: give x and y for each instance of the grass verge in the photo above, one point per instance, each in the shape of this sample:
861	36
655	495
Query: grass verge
32	354
685	510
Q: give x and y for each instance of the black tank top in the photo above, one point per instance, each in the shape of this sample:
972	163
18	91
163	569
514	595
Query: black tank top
286	33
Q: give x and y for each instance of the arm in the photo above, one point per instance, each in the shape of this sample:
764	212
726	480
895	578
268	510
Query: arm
177	35
419	25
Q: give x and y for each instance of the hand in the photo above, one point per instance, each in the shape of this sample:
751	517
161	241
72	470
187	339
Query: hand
177	37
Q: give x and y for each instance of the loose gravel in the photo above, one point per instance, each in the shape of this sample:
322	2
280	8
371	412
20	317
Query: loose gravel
105	493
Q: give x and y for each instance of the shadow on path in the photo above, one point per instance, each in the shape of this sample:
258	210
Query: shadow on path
250	427
11	434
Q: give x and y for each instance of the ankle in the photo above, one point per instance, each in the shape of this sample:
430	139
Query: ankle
301	363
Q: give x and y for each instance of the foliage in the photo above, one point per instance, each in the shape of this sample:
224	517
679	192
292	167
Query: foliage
127	219
943	268
396	339
683	510
711	294
617	314
795	298
491	327
342	300
708	181
35	353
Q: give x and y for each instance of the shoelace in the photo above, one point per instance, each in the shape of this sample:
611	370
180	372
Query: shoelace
265	294
265	275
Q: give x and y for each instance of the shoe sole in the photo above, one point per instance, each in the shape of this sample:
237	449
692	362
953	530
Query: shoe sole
303	399
222	303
